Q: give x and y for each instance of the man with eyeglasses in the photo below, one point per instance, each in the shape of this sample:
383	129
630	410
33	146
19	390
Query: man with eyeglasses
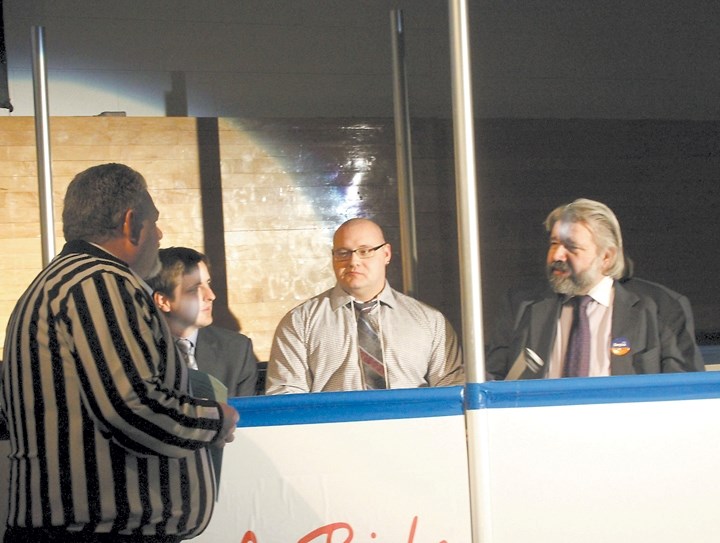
362	334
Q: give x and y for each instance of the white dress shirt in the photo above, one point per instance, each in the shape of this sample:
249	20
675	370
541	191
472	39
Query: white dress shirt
600	316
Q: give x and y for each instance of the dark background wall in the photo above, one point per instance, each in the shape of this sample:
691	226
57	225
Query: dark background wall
331	58
660	178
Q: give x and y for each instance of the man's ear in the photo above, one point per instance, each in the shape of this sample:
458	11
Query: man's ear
162	302
132	226
388	253
608	258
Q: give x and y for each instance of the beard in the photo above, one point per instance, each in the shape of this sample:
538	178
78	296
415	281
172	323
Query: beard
156	269
148	270
574	284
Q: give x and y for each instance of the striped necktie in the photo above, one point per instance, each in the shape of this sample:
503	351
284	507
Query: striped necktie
371	355
187	350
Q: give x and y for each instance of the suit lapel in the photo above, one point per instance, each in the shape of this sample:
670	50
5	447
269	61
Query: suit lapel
626	320
206	351
542	328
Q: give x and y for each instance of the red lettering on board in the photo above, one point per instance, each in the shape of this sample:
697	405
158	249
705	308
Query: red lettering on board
249	537
328	531
325	534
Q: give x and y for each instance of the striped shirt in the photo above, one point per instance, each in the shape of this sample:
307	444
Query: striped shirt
315	348
103	434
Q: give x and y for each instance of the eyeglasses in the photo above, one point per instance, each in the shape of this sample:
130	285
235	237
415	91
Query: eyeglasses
362	252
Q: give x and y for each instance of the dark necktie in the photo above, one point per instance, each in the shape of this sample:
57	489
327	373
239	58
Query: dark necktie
187	349
371	355
577	358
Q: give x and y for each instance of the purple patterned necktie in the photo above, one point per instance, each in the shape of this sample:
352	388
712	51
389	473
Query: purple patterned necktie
371	355
577	358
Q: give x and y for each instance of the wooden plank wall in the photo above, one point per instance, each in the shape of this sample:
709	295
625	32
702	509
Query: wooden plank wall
262	198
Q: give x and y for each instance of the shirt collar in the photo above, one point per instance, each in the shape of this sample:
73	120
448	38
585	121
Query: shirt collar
89	246
602	292
340	298
192	337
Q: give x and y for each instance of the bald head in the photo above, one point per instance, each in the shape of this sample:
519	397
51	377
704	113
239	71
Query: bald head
366	226
361	277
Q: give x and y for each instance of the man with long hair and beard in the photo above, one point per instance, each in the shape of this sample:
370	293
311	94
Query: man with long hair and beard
594	320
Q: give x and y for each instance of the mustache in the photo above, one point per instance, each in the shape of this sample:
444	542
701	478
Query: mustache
560	266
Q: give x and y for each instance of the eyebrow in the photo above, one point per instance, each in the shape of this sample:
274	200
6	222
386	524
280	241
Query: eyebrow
570	242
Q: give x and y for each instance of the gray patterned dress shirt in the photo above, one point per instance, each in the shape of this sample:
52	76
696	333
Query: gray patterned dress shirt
315	348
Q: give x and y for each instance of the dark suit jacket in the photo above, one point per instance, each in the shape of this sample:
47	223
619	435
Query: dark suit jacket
228	356
636	317
675	312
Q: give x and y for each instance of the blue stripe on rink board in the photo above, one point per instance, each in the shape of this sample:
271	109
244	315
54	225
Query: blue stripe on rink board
593	390
325	407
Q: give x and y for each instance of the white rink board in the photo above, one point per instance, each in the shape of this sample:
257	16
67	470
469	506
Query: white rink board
637	472
601	460
385	480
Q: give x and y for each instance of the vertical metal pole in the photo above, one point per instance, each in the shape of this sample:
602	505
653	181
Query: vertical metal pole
467	202
42	142
469	249
403	154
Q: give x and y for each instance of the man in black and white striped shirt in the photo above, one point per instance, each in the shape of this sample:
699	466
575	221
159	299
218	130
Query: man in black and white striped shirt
106	442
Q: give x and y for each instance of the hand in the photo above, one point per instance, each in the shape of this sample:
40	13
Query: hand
230	420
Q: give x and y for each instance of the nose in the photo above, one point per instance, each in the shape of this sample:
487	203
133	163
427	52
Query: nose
159	233
209	294
558	252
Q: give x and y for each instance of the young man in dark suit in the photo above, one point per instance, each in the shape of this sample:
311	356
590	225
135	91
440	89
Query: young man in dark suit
182	290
